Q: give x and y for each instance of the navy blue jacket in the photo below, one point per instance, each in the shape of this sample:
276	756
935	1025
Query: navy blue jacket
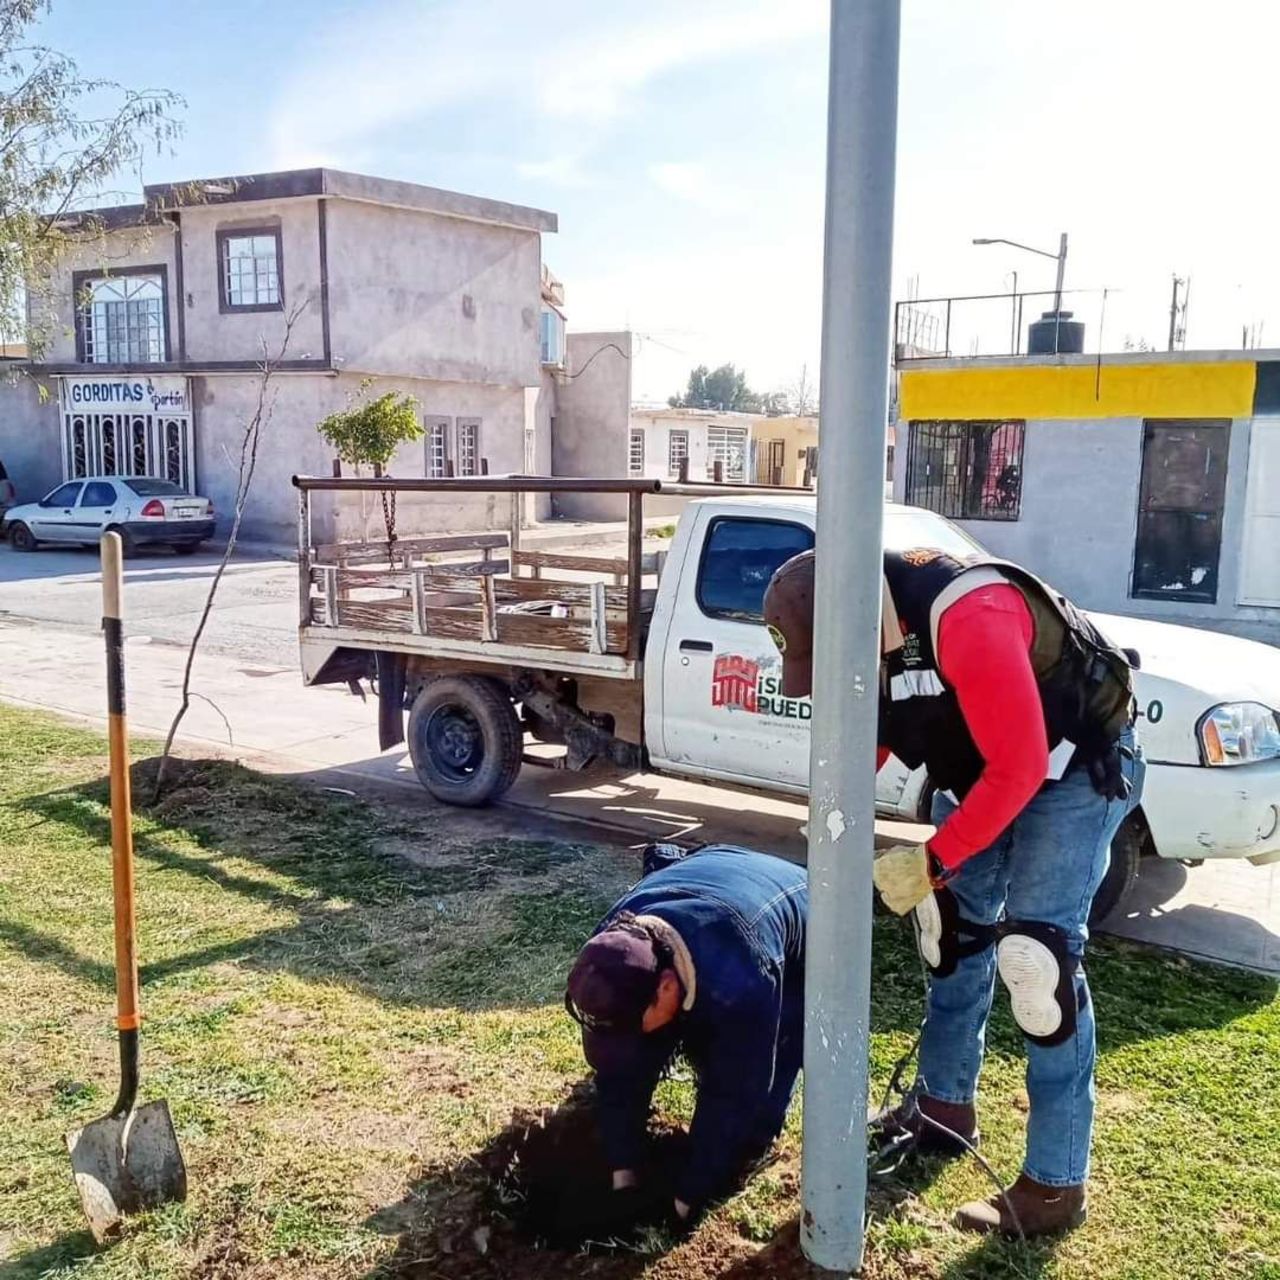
742	917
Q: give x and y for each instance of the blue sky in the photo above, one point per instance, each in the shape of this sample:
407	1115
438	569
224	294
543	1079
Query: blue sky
682	144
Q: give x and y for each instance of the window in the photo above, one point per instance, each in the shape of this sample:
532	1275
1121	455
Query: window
1180	499
98	495
437	446
966	470
677	452
120	319
468	446
251	269
739	558
727	445
635	454
552	336
146	487
63	496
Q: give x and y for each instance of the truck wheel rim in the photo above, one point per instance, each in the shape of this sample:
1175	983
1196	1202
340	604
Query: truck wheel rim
455	742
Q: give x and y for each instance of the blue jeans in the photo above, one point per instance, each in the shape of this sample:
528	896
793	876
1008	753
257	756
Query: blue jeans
1046	866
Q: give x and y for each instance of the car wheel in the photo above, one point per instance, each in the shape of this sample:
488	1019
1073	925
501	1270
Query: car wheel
128	547
185	548
21	538
465	740
1130	843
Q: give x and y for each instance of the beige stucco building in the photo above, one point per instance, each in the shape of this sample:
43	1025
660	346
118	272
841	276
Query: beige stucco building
159	318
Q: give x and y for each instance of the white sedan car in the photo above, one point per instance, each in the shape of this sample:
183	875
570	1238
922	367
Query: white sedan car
1208	721
142	510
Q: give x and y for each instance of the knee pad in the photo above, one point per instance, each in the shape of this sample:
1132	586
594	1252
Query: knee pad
1039	969
944	936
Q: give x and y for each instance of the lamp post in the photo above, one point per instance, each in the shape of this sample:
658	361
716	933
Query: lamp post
1060	257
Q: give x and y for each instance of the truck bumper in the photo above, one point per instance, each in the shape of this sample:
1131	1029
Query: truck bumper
1228	812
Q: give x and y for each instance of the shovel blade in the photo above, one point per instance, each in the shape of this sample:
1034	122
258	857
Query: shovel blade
125	1164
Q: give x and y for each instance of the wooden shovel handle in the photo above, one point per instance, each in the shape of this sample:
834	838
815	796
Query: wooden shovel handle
127	1017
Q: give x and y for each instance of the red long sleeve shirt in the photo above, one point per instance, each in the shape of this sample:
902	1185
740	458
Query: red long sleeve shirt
984	644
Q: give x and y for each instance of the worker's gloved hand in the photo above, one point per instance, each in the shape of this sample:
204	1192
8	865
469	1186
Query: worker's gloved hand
902	876
1107	776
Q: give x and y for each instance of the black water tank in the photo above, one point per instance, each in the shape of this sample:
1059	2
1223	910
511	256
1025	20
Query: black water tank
1055	331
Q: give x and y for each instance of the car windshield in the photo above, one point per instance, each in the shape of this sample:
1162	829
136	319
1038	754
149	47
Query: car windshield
907	527
145	487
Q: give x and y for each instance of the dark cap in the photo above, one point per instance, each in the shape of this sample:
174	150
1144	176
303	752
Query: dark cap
788	613
611	984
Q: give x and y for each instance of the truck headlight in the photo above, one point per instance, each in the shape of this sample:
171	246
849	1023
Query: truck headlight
1239	733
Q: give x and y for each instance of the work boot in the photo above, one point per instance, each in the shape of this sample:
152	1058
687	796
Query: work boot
1041	1210
906	1123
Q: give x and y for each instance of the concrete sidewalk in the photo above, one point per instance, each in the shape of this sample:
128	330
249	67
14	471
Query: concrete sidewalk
261	713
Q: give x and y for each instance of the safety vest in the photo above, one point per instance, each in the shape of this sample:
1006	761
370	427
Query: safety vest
1085	681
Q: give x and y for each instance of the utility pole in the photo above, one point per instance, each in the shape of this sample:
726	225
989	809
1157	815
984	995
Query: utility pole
1177	331
1062	271
862	115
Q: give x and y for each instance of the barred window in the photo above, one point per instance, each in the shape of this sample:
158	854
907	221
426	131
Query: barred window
250	270
727	445
437	447
677	452
635	454
966	470
468	446
121	319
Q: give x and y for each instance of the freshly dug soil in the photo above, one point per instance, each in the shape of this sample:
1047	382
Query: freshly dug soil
537	1204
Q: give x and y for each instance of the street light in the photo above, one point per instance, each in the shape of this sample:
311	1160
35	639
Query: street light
1060	257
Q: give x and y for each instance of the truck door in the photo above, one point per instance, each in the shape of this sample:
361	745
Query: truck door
723	710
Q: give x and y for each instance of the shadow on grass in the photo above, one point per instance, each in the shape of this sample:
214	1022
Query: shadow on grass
59	1258
408	915
474	921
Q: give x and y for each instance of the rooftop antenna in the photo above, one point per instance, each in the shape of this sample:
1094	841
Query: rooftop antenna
1178	313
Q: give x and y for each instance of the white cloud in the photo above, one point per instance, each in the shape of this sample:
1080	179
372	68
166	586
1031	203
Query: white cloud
687	180
562	171
575	62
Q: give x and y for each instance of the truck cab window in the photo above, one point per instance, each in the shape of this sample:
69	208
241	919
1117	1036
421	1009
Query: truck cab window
738	559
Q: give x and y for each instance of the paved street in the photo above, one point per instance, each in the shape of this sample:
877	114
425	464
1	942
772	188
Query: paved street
253	705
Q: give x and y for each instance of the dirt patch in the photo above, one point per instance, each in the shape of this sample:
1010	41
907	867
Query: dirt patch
537	1203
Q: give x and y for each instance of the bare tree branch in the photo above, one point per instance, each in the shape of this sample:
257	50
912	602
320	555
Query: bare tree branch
262	414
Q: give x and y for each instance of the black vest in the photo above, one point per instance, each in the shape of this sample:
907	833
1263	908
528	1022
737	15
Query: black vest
1084	681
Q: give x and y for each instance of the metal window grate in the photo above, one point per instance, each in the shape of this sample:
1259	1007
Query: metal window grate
437	446
468	447
966	470
727	445
677	452
635	454
122	320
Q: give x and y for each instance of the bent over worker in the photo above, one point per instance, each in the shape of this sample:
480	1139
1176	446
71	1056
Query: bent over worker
704	955
1022	712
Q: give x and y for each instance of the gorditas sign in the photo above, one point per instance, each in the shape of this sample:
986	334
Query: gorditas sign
744	684
160	393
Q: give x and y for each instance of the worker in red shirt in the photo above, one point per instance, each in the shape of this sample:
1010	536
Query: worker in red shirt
1022	712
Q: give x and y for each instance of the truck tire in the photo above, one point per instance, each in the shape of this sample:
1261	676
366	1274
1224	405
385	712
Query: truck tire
1130	843
465	741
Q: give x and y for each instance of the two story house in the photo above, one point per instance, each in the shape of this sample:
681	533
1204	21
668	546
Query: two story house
160	315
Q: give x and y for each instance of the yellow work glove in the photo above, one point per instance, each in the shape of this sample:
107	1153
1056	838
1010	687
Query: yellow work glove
902	876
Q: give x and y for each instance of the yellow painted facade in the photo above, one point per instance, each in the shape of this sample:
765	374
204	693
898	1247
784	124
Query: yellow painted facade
1212	389
792	437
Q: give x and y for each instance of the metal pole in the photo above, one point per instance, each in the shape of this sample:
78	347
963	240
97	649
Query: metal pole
1062	271
861	145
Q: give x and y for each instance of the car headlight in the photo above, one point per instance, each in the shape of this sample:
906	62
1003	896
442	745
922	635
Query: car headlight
1239	733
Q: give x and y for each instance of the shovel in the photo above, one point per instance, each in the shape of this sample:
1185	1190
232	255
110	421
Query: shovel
128	1160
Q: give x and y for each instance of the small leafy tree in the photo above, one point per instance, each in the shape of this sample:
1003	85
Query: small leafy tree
722	388
369	432
63	137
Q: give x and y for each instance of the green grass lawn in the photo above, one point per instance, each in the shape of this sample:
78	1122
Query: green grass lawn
345	1004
